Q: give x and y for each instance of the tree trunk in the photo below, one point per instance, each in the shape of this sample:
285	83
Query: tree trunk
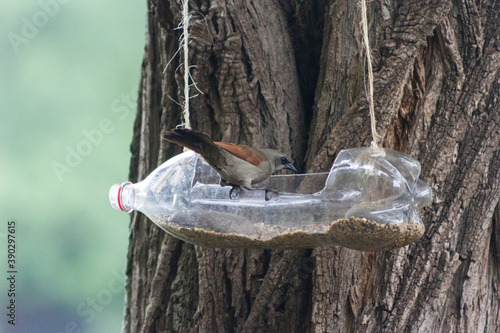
290	75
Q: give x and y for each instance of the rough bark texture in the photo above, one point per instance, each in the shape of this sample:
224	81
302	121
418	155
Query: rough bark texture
290	75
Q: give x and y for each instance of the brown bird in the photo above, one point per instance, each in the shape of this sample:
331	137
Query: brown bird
238	165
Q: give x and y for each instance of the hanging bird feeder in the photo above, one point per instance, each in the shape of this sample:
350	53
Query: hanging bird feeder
368	201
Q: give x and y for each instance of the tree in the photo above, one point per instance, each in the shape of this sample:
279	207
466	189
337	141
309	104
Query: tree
290	75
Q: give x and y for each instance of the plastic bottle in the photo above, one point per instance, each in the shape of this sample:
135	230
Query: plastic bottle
380	186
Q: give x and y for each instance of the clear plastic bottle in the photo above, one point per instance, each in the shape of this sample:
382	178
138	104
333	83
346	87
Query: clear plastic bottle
377	186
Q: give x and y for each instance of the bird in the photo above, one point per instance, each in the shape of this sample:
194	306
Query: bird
238	165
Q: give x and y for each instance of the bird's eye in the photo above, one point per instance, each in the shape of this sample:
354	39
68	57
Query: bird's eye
284	160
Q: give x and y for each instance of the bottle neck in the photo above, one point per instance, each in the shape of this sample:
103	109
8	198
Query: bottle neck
122	197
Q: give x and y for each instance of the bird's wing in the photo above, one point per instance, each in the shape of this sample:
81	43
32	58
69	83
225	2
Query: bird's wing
246	153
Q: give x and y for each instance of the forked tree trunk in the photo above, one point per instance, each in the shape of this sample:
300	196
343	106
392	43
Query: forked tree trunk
290	75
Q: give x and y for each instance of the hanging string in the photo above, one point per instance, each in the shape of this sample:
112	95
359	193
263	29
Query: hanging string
366	42
185	40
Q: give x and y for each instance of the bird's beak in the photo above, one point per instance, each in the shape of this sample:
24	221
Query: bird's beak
290	166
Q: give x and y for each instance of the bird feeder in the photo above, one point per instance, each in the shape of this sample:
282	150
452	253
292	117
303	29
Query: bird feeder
369	201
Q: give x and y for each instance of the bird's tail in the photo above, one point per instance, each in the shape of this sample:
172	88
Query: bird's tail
194	140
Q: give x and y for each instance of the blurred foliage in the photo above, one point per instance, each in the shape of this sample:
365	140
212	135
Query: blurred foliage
78	67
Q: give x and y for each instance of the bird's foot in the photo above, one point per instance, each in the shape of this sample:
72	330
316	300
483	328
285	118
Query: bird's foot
270	194
234	195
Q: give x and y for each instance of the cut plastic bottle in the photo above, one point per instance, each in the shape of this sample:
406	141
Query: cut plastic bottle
369	201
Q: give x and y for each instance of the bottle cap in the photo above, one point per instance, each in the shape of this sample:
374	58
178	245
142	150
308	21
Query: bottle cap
122	196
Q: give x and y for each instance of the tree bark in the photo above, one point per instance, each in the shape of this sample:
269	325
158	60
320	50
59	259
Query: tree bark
290	75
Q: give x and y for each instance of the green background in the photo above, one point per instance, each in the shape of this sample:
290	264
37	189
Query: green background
58	82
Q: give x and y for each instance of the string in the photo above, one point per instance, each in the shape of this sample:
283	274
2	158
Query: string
364	25
185	27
